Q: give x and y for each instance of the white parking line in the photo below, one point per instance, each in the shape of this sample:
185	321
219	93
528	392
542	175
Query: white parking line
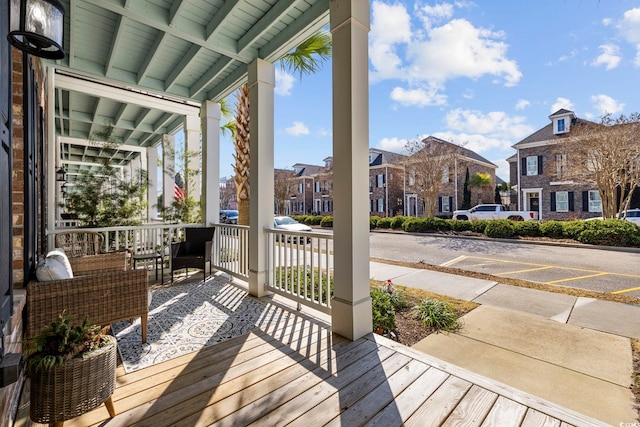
453	261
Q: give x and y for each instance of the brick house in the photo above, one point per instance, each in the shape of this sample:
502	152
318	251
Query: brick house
386	183
450	193
538	174
301	199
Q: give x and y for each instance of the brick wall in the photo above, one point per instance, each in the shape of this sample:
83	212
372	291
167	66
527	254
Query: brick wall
18	168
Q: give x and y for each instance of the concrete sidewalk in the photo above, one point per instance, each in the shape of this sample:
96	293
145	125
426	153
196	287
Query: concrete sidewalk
572	351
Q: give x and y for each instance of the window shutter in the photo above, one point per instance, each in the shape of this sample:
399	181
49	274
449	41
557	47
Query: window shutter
539	165
571	204
439	203
450	203
553	201
585	201
523	166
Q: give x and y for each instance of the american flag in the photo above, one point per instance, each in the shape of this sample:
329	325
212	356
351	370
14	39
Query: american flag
178	191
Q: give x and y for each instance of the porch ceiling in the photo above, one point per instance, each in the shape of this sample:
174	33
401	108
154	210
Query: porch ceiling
185	51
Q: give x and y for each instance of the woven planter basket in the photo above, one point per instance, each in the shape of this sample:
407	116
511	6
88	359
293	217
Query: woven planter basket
74	387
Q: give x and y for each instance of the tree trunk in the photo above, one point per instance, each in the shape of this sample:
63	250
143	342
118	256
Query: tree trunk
241	143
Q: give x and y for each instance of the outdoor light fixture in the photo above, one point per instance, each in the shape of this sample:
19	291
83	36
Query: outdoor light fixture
61	175
37	27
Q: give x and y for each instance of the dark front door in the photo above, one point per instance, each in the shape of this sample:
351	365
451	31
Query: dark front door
6	184
534	204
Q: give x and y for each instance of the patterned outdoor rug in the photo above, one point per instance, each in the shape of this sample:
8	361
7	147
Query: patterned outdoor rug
186	318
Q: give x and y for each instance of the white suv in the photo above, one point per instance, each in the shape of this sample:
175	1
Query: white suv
632	215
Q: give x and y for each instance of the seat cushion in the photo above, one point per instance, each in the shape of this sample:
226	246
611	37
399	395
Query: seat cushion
59	255
50	269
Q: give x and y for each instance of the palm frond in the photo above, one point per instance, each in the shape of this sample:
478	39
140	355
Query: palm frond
309	56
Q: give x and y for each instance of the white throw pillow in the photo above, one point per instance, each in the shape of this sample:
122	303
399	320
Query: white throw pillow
59	255
49	269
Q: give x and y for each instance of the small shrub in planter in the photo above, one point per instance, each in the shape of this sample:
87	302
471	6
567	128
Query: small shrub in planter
416	225
478	226
552	229
383	312
457	225
398	221
384	223
573	229
373	222
499	228
611	232
527	228
438	315
327	221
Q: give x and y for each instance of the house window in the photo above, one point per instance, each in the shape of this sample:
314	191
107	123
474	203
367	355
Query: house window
592	162
316	186
561	166
412	178
300	188
560	125
445	175
445	204
532	165
595	203
380	205
562	201
380	180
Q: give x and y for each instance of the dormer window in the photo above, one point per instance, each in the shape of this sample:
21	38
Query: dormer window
560	125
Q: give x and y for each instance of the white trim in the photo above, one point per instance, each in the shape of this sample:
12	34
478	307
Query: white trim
561	183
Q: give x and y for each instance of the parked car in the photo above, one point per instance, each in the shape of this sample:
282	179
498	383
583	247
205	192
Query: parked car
289	224
493	211
230	217
632	215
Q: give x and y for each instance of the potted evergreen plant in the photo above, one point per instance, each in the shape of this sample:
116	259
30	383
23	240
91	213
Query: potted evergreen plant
72	369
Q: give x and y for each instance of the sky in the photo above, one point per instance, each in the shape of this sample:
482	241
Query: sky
484	74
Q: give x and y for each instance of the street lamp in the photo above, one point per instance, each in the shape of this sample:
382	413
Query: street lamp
37	27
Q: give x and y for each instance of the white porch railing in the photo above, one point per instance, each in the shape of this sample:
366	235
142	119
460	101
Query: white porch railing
301	267
300	264
231	250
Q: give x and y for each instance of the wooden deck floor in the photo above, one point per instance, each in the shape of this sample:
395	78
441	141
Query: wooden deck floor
299	373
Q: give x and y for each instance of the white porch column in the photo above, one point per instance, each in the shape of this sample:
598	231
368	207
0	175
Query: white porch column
152	189
193	162
210	116
261	84
168	169
53	211
351	304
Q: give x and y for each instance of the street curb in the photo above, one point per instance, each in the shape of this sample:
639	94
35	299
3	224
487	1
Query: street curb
527	242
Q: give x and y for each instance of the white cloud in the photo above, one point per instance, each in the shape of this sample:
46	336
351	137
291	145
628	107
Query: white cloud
607	21
606	105
503	168
522	104
610	56
297	129
629	28
561	103
324	132
496	124
284	83
396	145
476	142
431	55
458	49
433	14
417	97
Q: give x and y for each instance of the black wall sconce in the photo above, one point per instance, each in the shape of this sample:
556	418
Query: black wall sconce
37	27
61	175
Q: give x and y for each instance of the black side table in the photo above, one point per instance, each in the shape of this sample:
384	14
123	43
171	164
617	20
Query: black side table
154	255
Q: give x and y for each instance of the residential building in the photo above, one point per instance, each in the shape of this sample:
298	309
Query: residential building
450	177
301	198
386	183
539	174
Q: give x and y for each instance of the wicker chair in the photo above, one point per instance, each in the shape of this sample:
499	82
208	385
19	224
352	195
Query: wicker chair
103	288
194	252
80	243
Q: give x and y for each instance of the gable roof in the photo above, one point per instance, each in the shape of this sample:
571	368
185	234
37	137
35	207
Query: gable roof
464	151
546	133
385	157
307	170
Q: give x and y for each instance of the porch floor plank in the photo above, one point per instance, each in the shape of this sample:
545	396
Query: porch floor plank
296	372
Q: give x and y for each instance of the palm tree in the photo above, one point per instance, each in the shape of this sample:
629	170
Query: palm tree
480	181
307	58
